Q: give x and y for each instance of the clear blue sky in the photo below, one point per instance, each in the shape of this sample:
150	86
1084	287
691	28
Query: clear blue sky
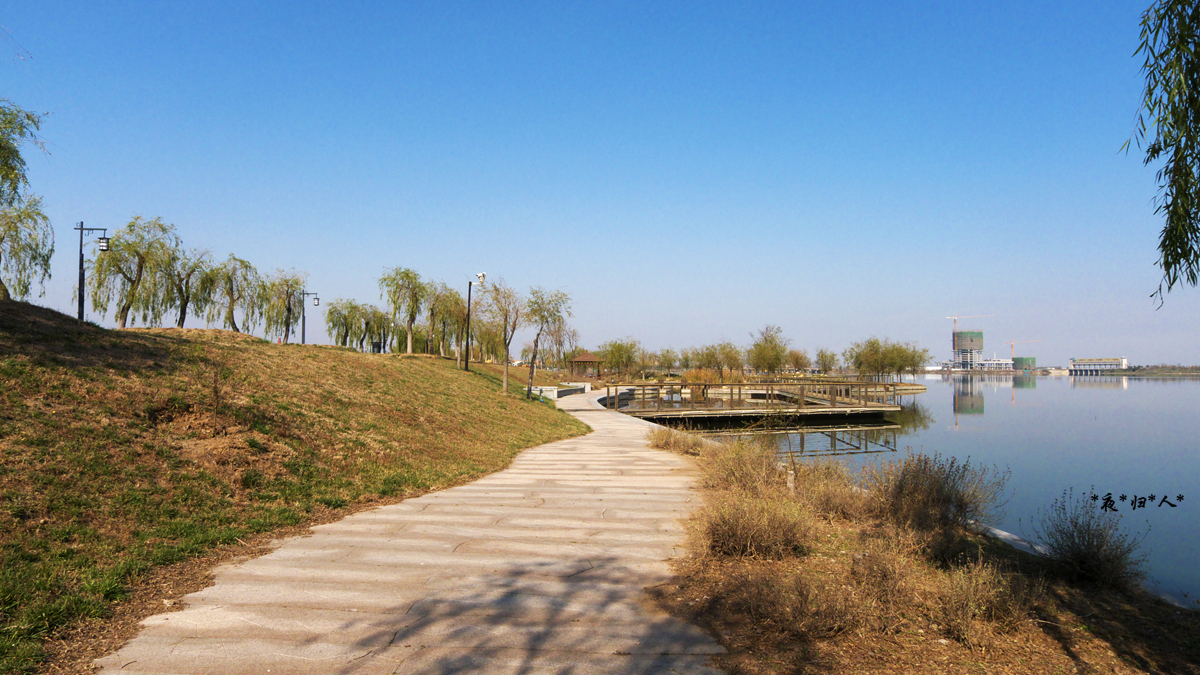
688	172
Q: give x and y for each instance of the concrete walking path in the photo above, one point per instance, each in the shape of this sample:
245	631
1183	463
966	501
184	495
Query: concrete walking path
537	569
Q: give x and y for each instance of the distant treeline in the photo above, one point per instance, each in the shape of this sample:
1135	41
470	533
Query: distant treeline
769	352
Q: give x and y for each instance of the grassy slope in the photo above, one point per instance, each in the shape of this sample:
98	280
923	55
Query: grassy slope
122	450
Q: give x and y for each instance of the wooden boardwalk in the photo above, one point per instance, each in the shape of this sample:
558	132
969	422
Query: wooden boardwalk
757	399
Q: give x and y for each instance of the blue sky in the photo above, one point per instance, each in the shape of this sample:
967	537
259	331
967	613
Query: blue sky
688	172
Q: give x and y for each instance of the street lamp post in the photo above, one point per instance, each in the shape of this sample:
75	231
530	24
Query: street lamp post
467	361
103	247
303	298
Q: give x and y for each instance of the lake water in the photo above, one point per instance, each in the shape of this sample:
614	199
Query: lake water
1125	436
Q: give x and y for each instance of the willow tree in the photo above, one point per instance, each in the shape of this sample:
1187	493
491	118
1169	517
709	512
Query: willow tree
548	312
282	302
131	271
1169	126
231	286
183	280
26	245
506	310
438	302
454	319
338	316
406	294
17	127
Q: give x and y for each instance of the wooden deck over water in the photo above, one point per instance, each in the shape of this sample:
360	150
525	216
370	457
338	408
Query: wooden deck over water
759	399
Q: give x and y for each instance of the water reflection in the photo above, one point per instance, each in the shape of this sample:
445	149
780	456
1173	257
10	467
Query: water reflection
812	440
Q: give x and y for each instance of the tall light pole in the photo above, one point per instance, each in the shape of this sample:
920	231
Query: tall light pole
103	247
304	303
467	361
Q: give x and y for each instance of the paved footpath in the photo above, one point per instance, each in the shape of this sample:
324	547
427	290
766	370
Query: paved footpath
537	569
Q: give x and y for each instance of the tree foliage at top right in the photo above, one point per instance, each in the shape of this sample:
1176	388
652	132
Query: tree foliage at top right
1169	128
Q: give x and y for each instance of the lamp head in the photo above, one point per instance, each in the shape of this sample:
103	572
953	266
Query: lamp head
316	302
103	243
481	275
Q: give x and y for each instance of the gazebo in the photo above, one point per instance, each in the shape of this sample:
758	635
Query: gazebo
587	361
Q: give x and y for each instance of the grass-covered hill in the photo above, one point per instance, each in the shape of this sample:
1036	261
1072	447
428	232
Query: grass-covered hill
125	450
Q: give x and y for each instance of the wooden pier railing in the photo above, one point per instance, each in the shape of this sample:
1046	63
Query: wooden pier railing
755	397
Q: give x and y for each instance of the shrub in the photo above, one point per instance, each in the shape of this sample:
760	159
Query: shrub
680	442
1084	543
928	493
747	466
736	524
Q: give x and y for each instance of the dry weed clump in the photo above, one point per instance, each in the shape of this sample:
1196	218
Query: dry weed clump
671	440
737	524
829	490
1086	544
793	601
932	492
980	598
742	465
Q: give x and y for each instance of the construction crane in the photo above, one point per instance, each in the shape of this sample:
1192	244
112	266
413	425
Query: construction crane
1013	345
954	335
976	316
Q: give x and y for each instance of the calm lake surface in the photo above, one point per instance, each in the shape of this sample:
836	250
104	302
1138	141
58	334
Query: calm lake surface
1125	436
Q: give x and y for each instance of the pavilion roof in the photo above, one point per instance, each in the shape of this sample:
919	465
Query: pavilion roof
587	357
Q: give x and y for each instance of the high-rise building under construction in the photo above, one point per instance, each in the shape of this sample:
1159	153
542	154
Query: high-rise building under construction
968	349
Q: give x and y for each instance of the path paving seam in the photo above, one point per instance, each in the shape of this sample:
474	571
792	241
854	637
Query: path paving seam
537	569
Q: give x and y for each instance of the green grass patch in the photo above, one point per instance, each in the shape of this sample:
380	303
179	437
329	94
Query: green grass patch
123	450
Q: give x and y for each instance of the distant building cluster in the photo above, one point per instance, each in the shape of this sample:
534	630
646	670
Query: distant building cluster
967	346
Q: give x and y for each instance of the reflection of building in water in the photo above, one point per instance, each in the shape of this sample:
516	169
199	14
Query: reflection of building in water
968	395
1100	382
1097	366
1024	362
1024	382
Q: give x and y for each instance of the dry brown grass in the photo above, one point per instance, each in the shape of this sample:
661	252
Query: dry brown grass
860	590
743	466
829	489
671	440
742	525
